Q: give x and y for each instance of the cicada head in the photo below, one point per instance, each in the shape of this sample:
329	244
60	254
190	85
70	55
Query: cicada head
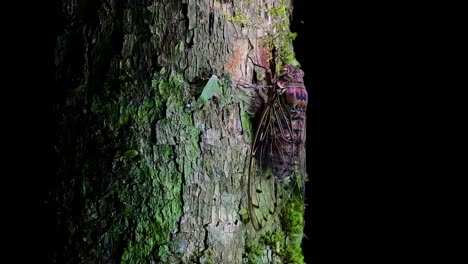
291	74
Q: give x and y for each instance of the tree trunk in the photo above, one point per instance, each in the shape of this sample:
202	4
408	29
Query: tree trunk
154	135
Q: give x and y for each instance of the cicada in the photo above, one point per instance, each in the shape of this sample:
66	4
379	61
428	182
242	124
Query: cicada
277	161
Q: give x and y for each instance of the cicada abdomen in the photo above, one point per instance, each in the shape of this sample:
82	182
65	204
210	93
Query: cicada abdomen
277	164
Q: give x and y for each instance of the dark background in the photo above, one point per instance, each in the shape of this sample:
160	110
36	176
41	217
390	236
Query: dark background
377	79
348	54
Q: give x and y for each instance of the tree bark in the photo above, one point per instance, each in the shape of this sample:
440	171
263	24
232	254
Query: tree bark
154	135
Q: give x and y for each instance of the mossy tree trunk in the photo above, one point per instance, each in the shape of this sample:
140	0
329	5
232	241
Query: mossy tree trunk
152	170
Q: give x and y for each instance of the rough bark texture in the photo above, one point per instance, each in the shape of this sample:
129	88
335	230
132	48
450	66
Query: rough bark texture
150	171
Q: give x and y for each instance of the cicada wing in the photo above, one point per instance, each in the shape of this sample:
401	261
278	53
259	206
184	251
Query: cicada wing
262	196
259	184
267	194
295	156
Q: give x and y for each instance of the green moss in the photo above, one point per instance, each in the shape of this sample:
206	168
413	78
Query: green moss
239	19
292	221
149	194
285	243
276	242
283	39
272	238
253	252
119	111
152	205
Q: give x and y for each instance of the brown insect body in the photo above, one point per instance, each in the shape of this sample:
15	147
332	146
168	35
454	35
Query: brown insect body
278	145
295	98
286	117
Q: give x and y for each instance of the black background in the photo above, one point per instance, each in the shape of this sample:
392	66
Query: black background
349	55
377	152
